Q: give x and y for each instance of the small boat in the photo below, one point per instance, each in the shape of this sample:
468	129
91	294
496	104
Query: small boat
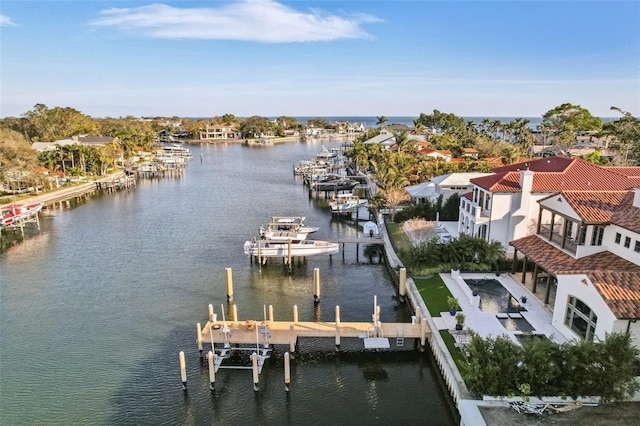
339	184
346	203
275	248
14	214
325	153
286	228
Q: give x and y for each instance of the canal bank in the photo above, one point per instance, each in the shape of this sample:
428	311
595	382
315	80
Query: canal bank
468	408
144	265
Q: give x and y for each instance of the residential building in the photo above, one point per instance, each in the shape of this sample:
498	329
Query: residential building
503	206
576	226
219	132
585	260
445	185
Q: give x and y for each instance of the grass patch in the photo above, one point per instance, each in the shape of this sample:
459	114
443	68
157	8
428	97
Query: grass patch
434	292
399	239
450	343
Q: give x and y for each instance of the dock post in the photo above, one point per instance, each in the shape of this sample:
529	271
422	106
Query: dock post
289	254
292	339
254	364
337	327
270	313
199	334
418	314
295	314
316	282
423	332
212	370
287	371
183	371
234	313
211	314
229	284
402	285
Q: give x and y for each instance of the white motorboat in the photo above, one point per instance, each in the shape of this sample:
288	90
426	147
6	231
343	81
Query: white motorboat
275	248
286	228
346	203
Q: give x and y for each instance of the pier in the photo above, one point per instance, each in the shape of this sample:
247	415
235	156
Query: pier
255	338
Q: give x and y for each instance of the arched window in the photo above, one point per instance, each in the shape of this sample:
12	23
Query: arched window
581	319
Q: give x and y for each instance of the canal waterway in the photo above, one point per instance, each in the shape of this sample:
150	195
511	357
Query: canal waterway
96	307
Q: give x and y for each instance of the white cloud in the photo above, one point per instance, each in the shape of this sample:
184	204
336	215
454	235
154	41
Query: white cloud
264	21
5	21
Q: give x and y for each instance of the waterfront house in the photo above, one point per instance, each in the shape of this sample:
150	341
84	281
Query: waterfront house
584	261
218	132
503	206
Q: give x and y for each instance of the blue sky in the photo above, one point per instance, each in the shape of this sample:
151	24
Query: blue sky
319	58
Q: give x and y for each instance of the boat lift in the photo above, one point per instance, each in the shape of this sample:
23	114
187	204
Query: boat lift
263	353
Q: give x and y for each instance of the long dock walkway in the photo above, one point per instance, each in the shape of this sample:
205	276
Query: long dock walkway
288	332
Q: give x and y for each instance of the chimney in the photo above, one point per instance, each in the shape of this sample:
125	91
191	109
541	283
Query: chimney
526	180
636	197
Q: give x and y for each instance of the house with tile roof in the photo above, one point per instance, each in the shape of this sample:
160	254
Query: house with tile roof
585	257
503	206
576	225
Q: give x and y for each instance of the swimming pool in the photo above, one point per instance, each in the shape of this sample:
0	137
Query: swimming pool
496	299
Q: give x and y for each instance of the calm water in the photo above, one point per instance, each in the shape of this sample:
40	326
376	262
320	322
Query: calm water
95	308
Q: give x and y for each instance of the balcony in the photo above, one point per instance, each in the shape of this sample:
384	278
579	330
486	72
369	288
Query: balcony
565	243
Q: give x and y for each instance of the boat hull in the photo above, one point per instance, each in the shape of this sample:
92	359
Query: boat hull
270	248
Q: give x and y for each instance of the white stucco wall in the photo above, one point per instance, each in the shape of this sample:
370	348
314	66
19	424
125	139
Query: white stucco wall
619	249
581	288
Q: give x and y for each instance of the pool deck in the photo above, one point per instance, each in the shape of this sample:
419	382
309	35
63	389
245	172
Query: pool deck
486	323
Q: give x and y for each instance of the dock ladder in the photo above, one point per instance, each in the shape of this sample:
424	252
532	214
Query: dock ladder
400	337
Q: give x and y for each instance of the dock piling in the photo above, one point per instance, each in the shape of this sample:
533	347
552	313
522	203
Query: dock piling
271	313
229	274
402	285
183	370
316	282
211	319
287	371
234	313
199	334
256	376
295	314
212	370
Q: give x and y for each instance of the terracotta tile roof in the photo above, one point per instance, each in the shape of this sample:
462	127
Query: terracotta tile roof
616	279
627	216
554	174
595	206
629	171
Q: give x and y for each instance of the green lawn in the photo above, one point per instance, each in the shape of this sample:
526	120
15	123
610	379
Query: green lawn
399	239
434	292
450	343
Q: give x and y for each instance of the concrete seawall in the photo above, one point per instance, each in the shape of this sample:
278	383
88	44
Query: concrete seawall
461	396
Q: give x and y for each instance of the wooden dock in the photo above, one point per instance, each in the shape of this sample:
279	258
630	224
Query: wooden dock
288	332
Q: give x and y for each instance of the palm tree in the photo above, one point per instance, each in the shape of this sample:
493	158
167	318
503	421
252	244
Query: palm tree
382	121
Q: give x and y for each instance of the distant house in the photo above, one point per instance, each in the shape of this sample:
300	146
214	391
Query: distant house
81	140
219	132
444	154
385	138
445	185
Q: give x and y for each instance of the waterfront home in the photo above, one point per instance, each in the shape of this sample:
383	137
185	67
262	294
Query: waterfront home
445	185
584	261
503	206
219	132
